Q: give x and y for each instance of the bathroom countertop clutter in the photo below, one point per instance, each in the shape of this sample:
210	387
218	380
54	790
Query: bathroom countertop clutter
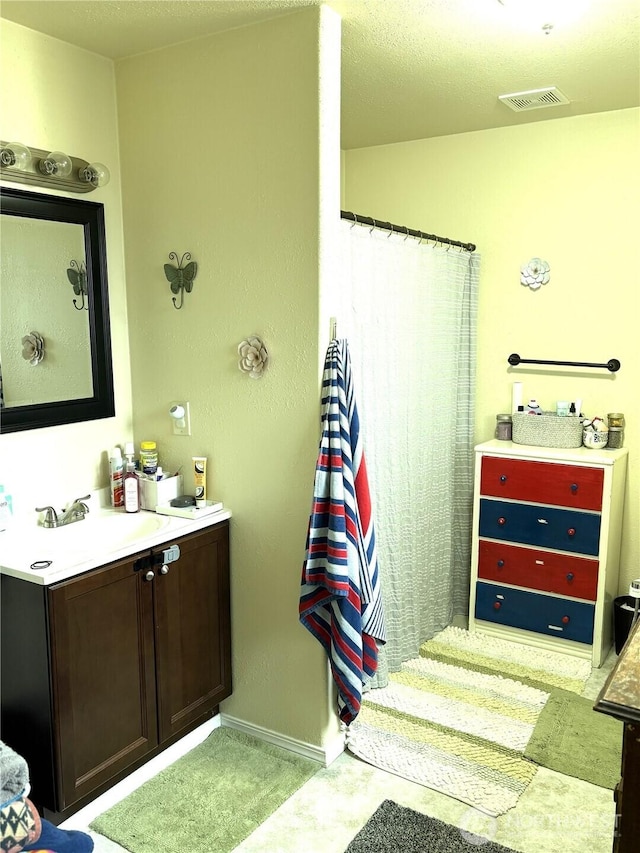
566	427
105	535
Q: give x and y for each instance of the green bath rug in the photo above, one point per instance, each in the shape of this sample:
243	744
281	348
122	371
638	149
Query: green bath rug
571	738
210	799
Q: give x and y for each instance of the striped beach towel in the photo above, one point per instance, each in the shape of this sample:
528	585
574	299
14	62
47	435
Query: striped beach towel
340	600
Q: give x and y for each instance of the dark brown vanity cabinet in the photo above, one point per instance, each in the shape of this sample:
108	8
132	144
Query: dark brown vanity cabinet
103	671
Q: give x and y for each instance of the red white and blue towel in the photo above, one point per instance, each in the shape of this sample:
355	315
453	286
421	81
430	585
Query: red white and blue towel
340	600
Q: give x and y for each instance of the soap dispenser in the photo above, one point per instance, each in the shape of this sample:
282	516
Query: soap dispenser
5	508
131	489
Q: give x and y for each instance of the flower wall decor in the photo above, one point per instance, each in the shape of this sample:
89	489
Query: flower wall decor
254	357
33	348
535	273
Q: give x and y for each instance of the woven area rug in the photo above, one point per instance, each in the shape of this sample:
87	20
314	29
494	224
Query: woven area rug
396	829
451	720
571	738
208	800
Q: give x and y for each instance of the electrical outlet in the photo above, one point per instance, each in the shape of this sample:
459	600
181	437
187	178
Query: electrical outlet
181	425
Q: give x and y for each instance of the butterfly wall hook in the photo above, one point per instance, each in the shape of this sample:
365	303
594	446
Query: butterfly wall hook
77	275
180	277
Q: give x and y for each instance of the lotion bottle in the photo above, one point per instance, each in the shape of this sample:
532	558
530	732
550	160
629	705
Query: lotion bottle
131	489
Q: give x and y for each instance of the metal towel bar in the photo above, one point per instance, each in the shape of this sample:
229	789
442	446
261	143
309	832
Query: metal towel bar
613	364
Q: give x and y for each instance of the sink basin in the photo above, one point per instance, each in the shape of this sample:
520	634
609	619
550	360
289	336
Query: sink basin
97	534
115	529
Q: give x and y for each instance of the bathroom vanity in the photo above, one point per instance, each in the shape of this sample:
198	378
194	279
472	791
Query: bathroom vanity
108	662
546	545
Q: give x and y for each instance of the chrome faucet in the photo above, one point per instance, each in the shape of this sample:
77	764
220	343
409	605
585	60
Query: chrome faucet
76	511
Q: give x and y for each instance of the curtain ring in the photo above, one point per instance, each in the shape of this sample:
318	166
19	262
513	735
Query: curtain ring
406	234
355	220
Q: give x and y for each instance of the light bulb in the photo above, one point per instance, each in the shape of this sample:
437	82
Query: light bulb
16	156
96	174
57	163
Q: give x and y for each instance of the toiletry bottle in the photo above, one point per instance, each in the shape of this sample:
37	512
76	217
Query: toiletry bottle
504	427
116	477
5	508
131	489
149	459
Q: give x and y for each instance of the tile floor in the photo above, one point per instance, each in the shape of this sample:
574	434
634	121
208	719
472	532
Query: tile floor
556	814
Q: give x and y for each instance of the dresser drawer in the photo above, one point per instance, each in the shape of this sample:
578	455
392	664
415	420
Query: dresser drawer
542	526
543	570
532	611
542	482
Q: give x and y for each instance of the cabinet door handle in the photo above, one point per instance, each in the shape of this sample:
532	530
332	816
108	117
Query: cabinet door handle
565	620
571	531
502	520
149	575
164	570
497	605
570	576
503	478
574	487
500	563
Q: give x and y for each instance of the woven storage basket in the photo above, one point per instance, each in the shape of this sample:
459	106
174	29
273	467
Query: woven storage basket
546	430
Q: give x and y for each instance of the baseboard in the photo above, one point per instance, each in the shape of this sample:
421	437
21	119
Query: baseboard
325	755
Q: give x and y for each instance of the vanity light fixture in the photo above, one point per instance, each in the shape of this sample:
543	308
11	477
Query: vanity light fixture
50	168
180	277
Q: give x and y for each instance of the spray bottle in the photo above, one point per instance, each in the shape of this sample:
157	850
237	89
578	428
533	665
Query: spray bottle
116	477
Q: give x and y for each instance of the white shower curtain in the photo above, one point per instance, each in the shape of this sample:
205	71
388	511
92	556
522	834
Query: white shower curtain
409	310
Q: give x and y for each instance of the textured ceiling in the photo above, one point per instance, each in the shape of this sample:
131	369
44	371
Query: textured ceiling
411	69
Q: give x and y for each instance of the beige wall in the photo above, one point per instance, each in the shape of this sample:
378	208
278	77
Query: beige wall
55	96
222	148
565	190
244	109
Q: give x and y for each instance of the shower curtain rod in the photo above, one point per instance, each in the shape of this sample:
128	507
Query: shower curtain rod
402	229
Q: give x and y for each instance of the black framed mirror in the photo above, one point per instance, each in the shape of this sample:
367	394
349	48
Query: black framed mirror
55	339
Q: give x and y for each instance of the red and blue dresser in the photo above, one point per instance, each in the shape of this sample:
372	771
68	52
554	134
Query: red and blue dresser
546	545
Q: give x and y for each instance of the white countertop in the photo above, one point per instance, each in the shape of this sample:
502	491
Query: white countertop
100	538
584	455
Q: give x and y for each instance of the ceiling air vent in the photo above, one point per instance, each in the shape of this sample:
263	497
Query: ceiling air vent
535	99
